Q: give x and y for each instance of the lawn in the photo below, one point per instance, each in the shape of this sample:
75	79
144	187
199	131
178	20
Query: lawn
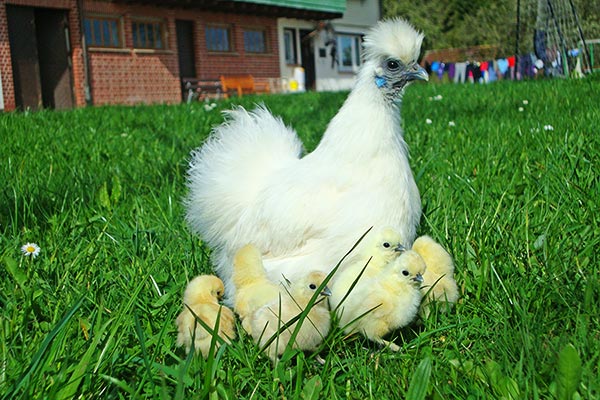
508	174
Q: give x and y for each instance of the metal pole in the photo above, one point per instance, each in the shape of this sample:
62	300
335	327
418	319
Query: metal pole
518	33
586	54
562	39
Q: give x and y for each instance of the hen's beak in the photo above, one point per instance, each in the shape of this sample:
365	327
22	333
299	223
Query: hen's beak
326	291
416	73
418	278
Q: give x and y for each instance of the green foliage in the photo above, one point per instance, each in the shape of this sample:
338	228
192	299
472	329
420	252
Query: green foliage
464	23
100	189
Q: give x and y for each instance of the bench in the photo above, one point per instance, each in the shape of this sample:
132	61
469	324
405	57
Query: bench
241	84
201	89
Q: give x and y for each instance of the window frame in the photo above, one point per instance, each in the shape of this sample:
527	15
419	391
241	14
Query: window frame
151	42
293	33
229	34
355	47
118	20
265	42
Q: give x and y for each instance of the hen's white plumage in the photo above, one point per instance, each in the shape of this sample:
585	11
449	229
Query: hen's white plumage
249	184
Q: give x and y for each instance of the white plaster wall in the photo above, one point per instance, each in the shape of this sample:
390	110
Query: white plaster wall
360	15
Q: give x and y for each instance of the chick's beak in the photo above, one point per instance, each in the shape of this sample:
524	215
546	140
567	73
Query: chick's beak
418	278
416	73
400	248
326	291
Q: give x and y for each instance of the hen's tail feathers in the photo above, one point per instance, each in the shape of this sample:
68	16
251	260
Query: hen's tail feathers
248	267
232	167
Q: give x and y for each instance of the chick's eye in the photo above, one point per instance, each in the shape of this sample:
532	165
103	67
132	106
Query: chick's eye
386	245
393	65
312	286
405	273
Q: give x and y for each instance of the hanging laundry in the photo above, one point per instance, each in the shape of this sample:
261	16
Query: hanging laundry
460	72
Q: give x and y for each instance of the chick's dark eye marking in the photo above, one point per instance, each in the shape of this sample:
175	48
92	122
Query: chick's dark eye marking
386	245
405	273
312	286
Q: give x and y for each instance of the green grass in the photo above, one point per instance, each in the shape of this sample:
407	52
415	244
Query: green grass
100	191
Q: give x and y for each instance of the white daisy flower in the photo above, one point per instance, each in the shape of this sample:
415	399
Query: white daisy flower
30	249
428	121
525	102
438	97
451	123
548	128
521	109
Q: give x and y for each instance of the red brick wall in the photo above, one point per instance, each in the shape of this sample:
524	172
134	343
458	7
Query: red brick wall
8	90
211	65
130	76
5	59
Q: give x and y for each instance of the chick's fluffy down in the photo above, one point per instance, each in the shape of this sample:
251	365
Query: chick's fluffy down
201	296
388	301
439	282
253	289
268	320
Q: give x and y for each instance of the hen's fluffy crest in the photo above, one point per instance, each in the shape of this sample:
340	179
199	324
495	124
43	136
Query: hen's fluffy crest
393	37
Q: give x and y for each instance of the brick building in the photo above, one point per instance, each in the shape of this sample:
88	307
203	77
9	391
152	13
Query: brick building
69	53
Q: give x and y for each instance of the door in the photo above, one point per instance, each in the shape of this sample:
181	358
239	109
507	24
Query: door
24	57
54	58
308	58
185	50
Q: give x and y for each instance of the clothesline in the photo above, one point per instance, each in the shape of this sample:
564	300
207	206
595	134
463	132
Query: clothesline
510	68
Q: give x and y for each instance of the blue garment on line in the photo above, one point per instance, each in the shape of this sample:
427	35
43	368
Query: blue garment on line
502	65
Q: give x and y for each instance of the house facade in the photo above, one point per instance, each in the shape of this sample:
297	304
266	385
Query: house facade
70	53
326	52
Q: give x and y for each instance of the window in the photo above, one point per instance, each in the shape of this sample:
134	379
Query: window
148	34
255	41
349	52
102	31
218	38
289	42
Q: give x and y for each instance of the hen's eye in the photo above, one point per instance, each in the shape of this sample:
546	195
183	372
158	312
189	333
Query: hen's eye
386	245
405	273
312	286
393	65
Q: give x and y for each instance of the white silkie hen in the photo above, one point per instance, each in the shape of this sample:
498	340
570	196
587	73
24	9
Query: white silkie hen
249	183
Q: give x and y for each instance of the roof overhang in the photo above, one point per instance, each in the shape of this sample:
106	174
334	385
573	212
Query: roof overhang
301	9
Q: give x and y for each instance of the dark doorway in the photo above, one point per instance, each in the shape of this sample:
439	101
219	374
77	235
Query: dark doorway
308	59
40	57
52	31
24	55
185	51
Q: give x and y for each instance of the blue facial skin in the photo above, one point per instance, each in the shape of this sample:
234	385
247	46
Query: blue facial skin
380	81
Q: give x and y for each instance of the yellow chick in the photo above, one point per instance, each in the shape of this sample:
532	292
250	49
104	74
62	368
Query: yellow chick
290	303
385	302
253	289
439	283
202	296
378	251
